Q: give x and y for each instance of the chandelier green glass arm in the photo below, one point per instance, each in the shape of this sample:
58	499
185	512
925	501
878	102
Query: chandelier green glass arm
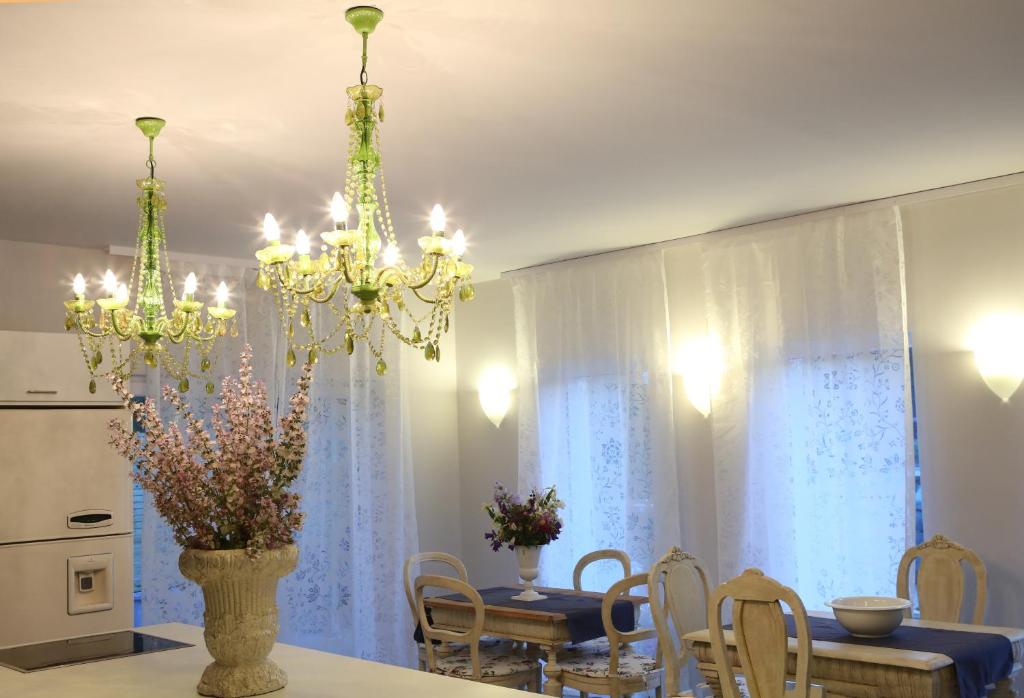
360	279
126	333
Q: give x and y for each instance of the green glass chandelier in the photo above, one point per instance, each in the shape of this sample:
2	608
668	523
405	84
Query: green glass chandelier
362	280
122	332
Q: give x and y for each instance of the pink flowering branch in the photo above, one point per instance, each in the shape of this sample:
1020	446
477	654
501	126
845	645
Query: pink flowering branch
228	489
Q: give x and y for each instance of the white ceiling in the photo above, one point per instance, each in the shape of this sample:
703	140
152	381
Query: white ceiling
548	129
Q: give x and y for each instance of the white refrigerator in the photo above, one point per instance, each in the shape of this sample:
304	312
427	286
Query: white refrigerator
65	497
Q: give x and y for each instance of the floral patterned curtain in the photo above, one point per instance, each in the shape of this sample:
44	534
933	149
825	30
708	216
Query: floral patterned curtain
595	408
811	429
357	495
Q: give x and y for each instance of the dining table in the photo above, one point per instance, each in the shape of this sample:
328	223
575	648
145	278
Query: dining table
873	670
547	625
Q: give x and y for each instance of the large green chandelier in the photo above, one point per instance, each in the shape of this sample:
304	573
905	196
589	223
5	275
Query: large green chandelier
122	332
367	288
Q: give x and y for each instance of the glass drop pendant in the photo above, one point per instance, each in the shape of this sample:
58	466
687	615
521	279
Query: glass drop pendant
417	337
437	352
183	385
314	354
92	386
209	387
205	364
350	343
382	367
466	293
290	357
428	351
304	318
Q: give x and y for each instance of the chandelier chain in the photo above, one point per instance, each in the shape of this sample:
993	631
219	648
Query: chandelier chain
362	73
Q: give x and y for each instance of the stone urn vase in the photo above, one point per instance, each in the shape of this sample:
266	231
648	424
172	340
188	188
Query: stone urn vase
528	557
240	617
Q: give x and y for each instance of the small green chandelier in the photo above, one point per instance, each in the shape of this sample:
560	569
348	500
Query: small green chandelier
367	287
121	333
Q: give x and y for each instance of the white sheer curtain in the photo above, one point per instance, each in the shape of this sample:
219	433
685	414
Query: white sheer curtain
357	493
595	407
811	428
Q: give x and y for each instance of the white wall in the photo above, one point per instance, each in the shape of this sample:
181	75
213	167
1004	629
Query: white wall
965	258
35	280
484	335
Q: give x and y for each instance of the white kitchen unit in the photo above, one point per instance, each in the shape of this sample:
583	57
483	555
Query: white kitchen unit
65	497
47	368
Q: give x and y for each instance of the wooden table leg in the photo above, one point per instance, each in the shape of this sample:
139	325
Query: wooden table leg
711	678
553	672
1004	689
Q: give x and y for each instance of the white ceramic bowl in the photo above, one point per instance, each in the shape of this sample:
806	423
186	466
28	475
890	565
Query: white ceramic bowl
869	616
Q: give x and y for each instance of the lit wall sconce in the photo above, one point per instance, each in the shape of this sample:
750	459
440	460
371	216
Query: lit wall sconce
701	363
998	344
495	389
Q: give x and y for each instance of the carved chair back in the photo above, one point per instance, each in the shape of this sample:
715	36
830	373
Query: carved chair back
418	559
589	558
678	590
432	634
762	642
940	580
616	637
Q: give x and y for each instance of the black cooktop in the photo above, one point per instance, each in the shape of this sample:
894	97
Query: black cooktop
80	650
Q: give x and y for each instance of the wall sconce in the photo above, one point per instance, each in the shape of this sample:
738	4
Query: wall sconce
701	363
495	389
998	343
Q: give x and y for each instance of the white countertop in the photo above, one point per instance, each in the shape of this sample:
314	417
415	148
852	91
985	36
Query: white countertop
176	673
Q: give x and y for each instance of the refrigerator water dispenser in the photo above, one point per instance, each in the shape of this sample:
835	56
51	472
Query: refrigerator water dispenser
90	583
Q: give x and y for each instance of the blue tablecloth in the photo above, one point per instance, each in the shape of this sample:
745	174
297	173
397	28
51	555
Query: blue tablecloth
980	658
582	613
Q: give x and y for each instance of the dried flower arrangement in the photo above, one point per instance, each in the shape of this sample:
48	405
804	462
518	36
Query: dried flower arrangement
229	490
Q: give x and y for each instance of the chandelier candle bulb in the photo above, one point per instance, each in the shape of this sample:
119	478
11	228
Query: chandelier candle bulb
271	230
458	243
109	283
78	287
438	220
339	211
190	286
302	243
220	297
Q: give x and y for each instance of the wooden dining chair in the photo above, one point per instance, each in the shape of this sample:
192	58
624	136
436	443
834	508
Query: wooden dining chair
590	558
599	644
459	569
940	580
509	668
615	672
678	591
762	642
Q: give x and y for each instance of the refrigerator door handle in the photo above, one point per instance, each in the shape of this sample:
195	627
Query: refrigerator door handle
90	518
